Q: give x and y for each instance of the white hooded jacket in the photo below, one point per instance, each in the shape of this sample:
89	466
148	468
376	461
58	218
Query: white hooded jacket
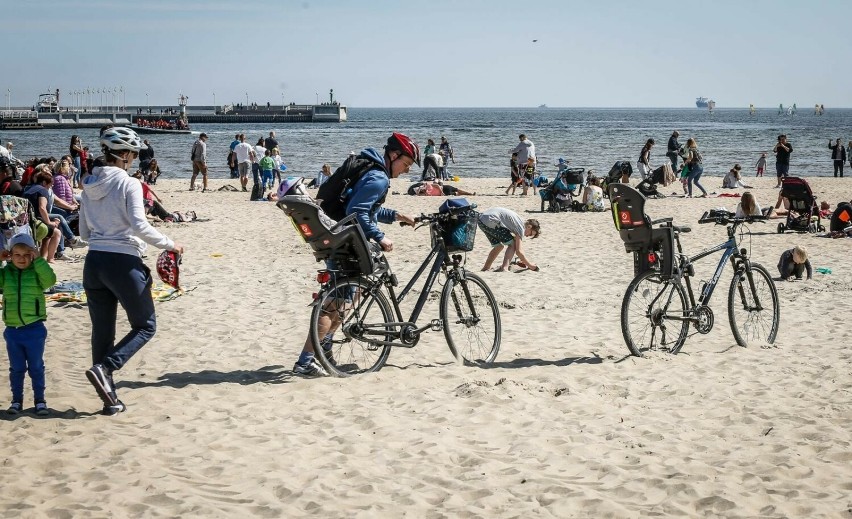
112	214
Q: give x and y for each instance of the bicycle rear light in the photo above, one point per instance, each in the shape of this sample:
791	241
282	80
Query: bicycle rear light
652	257
323	277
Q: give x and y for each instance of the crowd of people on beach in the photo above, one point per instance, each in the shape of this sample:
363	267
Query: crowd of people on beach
104	203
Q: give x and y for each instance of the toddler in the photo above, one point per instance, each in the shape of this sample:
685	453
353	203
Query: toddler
761	165
794	262
267	166
24	279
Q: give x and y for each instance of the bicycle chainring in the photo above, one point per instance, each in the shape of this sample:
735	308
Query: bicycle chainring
704	319
409	335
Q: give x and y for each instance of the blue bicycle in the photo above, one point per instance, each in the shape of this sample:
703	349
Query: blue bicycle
659	305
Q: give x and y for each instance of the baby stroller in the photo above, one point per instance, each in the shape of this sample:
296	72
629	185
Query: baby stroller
803	215
648	186
560	195
622	167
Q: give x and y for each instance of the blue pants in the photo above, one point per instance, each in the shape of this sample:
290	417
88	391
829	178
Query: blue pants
255	172
695	172
25	346
77	164
110	278
268	179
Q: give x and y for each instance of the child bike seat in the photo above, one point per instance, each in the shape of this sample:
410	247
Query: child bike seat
343	242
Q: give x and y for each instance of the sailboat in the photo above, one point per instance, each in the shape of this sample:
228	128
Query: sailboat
751	109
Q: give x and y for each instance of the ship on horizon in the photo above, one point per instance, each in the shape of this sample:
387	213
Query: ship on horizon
702	102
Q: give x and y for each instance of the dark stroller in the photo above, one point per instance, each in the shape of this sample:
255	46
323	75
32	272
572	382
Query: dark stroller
622	167
558	195
648	186
803	215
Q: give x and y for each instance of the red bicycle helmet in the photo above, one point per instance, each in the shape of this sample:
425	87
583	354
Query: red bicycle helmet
168	268
403	143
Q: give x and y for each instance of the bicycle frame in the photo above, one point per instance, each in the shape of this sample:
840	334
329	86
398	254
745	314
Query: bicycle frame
439	255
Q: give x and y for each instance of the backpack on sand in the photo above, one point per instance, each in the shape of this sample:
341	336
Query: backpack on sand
334	193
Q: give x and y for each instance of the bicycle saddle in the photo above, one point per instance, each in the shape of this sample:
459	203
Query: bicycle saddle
682	228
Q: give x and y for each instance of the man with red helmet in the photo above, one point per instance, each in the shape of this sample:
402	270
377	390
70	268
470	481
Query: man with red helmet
365	201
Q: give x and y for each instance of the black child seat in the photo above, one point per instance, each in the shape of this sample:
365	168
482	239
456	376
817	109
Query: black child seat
652	247
803	215
343	241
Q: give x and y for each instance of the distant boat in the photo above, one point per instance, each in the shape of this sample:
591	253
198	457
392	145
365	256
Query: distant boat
150	130
542	106
711	105
701	102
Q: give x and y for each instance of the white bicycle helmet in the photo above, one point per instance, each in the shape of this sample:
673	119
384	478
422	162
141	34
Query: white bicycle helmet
120	139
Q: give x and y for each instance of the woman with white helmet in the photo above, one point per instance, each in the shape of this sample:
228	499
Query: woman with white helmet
112	219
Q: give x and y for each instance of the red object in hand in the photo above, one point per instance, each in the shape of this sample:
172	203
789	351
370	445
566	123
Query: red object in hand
168	268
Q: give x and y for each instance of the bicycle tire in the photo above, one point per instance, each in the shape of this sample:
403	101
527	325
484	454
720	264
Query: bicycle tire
755	325
475	320
345	355
641	313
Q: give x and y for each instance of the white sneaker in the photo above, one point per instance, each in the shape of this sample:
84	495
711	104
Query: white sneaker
78	243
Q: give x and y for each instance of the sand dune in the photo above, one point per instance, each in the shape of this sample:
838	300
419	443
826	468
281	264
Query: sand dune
563	424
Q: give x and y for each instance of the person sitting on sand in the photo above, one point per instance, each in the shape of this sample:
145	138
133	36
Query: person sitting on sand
154	205
748	206
733	180
782	206
504	228
322	176
151	171
824	209
593	195
794	262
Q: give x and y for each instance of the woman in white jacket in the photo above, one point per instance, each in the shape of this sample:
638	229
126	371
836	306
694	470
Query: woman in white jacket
112	220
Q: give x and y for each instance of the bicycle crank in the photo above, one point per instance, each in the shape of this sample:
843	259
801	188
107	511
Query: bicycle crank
703	319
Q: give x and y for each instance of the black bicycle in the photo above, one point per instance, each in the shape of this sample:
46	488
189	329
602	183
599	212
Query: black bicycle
660	305
356	317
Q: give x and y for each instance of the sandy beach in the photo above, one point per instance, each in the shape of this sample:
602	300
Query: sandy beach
564	424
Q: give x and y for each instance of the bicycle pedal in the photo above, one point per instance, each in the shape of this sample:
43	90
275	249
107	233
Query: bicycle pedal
436	325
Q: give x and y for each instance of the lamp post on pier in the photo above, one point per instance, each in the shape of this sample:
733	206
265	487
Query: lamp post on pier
147	106
246	99
214	102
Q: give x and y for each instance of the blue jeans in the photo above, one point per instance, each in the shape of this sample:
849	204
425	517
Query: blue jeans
781	170
695	172
25	346
67	233
268	179
110	278
76	179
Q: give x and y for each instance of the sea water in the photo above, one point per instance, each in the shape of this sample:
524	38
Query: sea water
481	138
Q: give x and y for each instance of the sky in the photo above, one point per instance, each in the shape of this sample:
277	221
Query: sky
441	53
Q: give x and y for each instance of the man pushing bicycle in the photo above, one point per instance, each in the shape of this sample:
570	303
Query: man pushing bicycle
369	174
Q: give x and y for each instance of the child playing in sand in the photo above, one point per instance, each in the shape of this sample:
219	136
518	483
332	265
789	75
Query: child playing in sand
794	262
24	280
505	228
761	165
267	166
516	173
529	174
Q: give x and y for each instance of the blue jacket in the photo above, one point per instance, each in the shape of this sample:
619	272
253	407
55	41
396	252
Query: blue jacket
367	197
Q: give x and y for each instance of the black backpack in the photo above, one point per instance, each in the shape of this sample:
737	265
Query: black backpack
334	193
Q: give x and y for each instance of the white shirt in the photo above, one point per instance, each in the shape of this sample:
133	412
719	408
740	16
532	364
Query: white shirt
259	153
243	151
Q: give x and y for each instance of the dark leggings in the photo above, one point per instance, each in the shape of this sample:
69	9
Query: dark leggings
838	167
110	278
159	211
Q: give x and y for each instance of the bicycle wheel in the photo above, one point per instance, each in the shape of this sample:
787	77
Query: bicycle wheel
750	322
354	314
471	320
653	314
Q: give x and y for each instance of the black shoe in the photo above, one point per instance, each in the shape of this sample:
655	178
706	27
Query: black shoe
312	369
41	408
118	407
101	378
15	408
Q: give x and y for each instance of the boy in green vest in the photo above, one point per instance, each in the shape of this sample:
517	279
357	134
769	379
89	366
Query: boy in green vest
24	279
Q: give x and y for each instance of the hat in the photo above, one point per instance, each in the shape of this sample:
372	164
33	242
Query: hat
561	160
22	239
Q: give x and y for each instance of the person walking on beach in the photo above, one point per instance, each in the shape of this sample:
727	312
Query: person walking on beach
525	149
112	219
446	153
245	159
644	162
199	162
672	149
838	155
270	142
23	280
782	152
504	228
761	165
365	201
696	167
515	173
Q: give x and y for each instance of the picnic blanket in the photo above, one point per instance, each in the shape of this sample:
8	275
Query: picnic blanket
72	292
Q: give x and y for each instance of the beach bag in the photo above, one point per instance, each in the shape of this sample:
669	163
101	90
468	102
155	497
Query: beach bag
256	192
334	193
459	230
